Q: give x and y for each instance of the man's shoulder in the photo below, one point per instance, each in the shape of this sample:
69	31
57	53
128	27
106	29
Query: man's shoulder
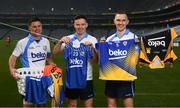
131	33
45	39
23	40
109	37
92	37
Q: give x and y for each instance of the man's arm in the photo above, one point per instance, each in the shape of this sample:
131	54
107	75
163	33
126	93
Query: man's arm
95	55
50	61
59	47
12	64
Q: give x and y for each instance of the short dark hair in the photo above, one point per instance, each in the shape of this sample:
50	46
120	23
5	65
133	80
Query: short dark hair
80	17
121	12
33	19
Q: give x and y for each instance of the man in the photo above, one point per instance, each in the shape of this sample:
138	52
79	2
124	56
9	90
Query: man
33	50
119	69
75	87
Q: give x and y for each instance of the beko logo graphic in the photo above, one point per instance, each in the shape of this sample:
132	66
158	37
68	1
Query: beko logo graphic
117	52
76	61
38	56
156	42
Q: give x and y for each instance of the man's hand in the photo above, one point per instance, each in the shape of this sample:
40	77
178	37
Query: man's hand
102	39
87	43
64	39
13	74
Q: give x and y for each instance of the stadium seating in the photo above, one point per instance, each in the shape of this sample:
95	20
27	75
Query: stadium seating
147	16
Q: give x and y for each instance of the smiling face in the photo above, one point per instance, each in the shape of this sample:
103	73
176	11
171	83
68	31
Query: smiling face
121	21
80	26
35	28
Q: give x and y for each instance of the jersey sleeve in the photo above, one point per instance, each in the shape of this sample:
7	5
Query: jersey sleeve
18	49
94	41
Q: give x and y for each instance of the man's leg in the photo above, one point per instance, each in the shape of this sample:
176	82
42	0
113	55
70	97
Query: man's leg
112	102
88	103
128	102
72	103
87	94
27	104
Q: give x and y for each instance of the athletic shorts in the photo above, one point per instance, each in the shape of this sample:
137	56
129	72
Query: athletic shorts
119	89
83	94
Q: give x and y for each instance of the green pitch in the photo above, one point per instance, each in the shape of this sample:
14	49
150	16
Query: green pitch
154	88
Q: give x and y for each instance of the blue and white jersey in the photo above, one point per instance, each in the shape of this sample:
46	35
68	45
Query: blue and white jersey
32	53
118	57
37	89
76	42
76	65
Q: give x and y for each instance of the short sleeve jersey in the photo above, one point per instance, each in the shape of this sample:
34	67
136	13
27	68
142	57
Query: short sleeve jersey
32	53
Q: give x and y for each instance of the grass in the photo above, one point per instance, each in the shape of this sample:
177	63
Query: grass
154	88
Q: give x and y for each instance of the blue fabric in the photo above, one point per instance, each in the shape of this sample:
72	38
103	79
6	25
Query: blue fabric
76	65
117	54
36	89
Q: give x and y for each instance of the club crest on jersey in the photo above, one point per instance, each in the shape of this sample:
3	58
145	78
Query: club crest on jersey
45	48
125	43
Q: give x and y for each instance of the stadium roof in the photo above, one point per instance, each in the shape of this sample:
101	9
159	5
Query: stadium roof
84	6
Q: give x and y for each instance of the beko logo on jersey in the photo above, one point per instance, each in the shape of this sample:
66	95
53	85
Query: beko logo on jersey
156	42
76	61
117	52
38	55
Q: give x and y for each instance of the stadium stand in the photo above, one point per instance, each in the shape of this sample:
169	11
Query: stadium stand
147	16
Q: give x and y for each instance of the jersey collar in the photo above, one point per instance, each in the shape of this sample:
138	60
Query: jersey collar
125	33
31	38
76	37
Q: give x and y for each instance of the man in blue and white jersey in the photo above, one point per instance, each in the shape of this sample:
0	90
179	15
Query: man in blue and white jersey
80	36
120	52
33	50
